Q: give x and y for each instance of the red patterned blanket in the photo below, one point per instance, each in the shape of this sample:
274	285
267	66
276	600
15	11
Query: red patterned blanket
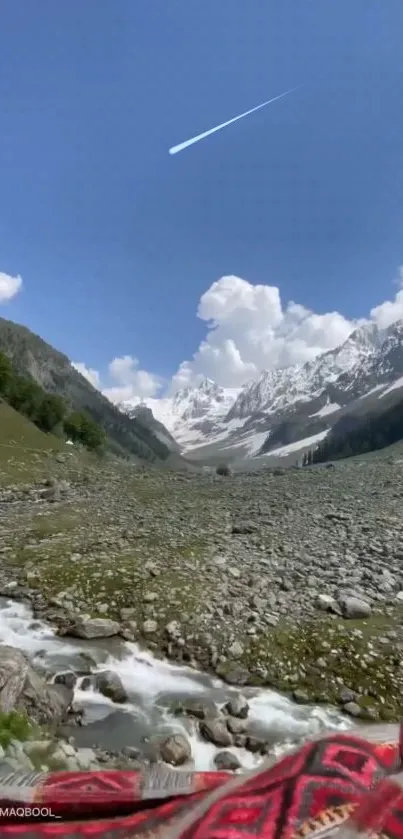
308	793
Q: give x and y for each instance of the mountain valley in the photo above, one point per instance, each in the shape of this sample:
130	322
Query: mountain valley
280	587
288	411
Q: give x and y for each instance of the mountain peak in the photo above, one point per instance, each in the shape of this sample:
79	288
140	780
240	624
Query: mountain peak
207	414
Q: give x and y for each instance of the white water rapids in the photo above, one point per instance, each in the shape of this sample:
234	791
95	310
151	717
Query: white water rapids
153	686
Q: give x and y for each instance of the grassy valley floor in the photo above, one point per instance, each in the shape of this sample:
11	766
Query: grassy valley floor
286	578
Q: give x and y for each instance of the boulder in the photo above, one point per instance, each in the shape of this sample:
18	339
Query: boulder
215	731
109	684
301	696
176	750
237	707
23	690
238	676
226	762
354	608
352	709
69	679
90	628
197	708
236	726
347	695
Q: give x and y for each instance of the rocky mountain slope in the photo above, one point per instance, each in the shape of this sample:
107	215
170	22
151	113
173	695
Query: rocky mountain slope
287	411
31	356
145	417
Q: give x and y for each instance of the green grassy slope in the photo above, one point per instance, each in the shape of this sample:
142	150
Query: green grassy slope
26	453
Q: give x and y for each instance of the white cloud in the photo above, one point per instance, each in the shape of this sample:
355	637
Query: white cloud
131	383
91	375
124	380
391	310
9	286
248	329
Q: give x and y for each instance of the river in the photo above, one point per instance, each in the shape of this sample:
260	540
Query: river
153	686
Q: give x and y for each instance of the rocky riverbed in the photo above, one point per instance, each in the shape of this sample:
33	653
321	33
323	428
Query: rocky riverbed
287	580
108	701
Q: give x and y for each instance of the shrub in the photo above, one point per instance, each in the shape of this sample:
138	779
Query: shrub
5	374
50	412
79	427
224	470
13	726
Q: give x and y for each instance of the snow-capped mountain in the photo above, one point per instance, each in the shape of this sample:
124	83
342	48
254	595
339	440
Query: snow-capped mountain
287	410
362	355
192	413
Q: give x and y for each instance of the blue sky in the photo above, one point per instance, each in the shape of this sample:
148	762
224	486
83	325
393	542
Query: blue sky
116	241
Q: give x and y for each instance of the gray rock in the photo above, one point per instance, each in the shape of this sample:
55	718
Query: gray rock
237	706
236	726
173	629
150	597
239	676
69	679
22	689
176	750
326	603
352	709
109	684
236	650
90	628
150	627
215	731
227	762
240	741
301	696
201	710
355	608
346	695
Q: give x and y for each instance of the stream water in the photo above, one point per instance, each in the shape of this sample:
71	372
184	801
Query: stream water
153	686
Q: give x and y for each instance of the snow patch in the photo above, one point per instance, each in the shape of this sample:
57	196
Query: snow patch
373	390
252	443
307	442
398	383
329	408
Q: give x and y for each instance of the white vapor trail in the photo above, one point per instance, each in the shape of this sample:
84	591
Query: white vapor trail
187	143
